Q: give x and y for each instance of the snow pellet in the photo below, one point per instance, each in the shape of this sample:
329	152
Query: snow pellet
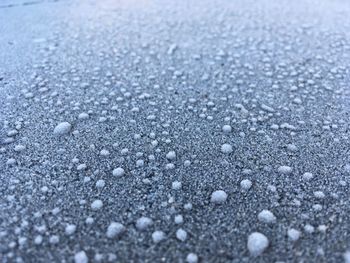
158	236
257	243
115	229
226	148
96	205
266	216
181	234
218	197
62	128
81	257
143	223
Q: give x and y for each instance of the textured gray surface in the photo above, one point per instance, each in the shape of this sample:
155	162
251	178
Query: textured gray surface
160	76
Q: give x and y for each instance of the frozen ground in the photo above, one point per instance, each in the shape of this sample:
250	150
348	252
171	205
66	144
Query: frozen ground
174	131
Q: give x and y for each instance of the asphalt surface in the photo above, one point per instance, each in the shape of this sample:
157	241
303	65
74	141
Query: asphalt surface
174	131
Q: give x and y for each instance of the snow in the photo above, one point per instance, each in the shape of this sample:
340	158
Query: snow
20	148
54	239
293	234
266	216
257	243
171	155
100	183
347	257
192	258
319	194
176	185
218	197
81	167
96	205
285	169
246	184
309	229
118	172
11	161
38	240
62	128
178	219
83	116
70	229
226	128
158	236
143	223
226	148
181	234
104	152
307	176
115	229
89	221
174	123
140	163
81	257
322	228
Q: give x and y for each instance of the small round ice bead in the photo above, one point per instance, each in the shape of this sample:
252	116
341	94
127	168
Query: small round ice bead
187	163
319	194
179	219
158	236
309	228
317	207
218	197
322	228
115	229
143	223
176	185
83	116
169	166
188	206
81	257
55	211
98	257
293	234
54	239
140	163
96	205
124	151
272	188
104	152
11	161
284	169
246	184
307	176
38	240
62	128
226	148
257	243
100	183
70	229
266	216
192	258
171	155
20	148
22	241
292	147
118	172
181	234
89	221
226	128
86	179
81	167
